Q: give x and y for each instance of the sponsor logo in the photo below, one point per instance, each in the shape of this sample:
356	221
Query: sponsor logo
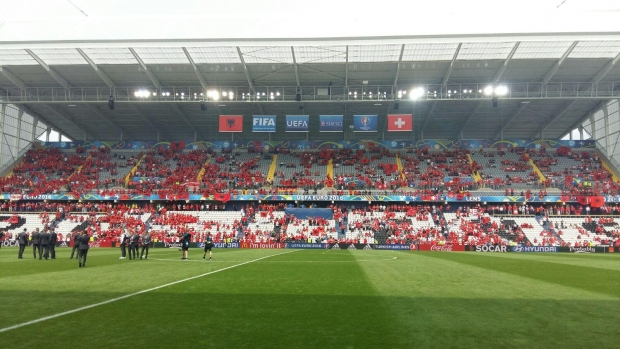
335	247
484	248
394	247
582	249
9	243
63	244
15	197
94	244
521	248
262	245
351	247
302	245
367	247
441	248
172	244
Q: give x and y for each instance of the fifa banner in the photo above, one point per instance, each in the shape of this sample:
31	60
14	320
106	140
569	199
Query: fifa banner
400	123
297	123
331	123
264	123
364	123
231	123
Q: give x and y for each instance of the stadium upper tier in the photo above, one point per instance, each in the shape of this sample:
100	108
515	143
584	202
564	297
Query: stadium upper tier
175	174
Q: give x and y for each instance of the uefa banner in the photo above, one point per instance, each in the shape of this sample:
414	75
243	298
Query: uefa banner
364	123
264	123
331	123
399	123
304	245
231	123
297	123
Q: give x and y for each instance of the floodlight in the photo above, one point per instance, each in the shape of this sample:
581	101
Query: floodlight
501	90
488	90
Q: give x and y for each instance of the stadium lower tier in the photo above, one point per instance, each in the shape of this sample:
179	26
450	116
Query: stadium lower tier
398	225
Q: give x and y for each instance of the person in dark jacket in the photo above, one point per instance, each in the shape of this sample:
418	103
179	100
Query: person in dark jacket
2	235
76	244
133	245
52	244
146	244
45	243
36	243
83	249
22	240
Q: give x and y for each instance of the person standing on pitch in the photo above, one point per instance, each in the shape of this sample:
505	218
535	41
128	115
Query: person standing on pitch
45	243
22	240
146	244
208	246
83	251
36	243
2	235
124	241
53	238
185	245
76	244
133	247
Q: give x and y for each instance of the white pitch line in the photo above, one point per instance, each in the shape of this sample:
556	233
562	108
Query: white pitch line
6	329
224	261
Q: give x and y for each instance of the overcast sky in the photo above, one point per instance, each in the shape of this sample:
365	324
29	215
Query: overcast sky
32	20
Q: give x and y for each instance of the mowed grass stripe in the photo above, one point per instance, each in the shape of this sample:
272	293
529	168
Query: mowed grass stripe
607	261
64	286
585	278
261	305
441	303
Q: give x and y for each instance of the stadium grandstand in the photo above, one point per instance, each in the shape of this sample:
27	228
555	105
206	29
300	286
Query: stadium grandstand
266	127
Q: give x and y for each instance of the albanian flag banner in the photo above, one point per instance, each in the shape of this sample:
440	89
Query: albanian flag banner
231	123
594	201
583	200
221	197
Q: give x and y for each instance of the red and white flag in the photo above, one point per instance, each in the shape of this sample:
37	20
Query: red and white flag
231	123
400	122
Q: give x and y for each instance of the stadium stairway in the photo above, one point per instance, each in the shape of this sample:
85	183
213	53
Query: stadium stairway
541	176
133	170
202	170
79	168
476	174
272	168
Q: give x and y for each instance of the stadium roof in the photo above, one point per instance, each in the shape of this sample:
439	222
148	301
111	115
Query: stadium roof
553	79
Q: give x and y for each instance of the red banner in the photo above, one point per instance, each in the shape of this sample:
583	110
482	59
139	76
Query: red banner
95	244
400	122
262	245
221	197
435	247
231	123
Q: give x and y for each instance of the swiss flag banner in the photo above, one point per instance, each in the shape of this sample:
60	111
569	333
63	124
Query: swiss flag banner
231	123
400	122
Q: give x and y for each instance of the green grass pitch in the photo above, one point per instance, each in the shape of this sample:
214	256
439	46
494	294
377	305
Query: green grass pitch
311	299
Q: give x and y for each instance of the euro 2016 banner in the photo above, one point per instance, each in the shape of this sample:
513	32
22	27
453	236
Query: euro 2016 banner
364	123
264	123
330	123
231	123
400	122
297	123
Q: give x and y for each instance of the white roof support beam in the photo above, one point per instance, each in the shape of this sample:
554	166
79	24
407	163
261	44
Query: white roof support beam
601	74
201	78
246	71
346	68
501	70
446	76
60	113
146	69
106	119
555	118
145	118
511	119
14	79
585	117
295	65
400	59
557	64
469	118
324	73
183	117
428	117
64	83
50	125
99	72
